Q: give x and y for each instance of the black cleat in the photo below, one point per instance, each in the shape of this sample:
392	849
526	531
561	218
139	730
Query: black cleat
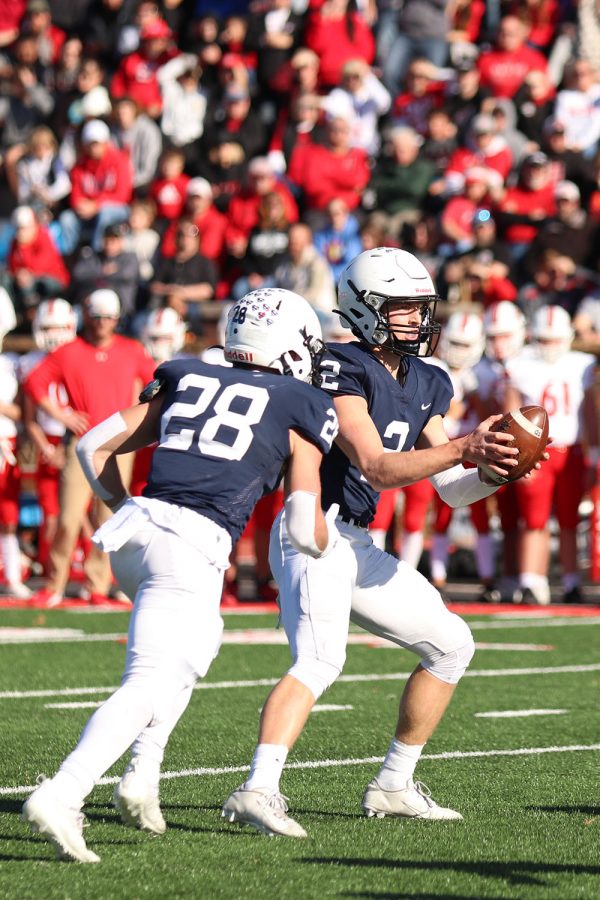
575	595
489	594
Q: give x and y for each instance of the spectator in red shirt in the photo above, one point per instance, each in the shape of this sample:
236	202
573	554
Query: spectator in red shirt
36	266
337	33
136	76
38	24
459	213
242	215
503	69
335	169
210	223
297	125
424	92
483	148
526	205
102	180
168	190
102	373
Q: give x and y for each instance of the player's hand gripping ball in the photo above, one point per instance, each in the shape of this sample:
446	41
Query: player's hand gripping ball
529	427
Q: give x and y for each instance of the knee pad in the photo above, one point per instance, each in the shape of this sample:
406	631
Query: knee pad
449	665
315	674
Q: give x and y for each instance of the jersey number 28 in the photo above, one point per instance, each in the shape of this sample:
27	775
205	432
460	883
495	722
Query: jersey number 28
224	417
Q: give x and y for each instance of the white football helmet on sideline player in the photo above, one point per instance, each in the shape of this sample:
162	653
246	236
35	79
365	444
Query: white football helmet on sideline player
163	334
54	324
292	342
388	275
551	332
504	326
462	341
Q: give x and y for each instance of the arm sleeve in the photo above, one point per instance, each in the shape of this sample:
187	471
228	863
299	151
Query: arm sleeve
461	487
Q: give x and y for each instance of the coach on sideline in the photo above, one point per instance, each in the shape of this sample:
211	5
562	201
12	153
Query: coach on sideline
102	372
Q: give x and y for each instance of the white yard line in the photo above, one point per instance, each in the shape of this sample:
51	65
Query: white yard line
520	713
246	636
268	682
336	763
84	704
537	622
91	704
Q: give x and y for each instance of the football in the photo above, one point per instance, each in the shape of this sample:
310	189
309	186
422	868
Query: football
529	426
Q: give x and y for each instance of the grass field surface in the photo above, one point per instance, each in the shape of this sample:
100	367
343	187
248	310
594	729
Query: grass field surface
517	754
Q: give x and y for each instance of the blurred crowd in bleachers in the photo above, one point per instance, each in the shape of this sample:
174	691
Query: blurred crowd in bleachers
183	151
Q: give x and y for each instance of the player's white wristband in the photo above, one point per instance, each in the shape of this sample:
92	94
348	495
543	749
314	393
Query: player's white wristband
460	487
300	517
92	441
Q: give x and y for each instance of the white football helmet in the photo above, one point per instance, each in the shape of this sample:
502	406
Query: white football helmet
388	275
54	324
163	334
551	332
462	340
504	326
277	329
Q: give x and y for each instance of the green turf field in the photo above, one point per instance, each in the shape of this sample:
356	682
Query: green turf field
532	818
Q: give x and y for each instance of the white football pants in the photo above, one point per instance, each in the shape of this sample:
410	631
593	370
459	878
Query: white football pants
359	582
175	632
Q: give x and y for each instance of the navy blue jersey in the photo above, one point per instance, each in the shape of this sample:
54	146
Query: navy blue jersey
399	412
224	436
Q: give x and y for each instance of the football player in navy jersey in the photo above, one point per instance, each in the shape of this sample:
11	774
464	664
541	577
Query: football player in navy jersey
388	401
224	436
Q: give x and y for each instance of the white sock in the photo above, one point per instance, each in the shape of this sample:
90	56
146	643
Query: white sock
266	767
72	785
11	557
533	581
107	735
147	768
150	744
412	548
399	765
439	557
378	536
484	556
536	583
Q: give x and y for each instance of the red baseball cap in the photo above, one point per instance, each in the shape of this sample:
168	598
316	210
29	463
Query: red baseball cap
155	30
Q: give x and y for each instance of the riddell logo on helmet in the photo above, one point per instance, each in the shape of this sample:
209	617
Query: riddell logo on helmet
239	355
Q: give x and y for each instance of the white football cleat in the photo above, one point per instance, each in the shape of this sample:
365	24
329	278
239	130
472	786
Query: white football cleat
411	802
19	590
136	799
60	824
264	809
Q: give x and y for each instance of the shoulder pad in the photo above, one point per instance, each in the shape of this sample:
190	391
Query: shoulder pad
153	388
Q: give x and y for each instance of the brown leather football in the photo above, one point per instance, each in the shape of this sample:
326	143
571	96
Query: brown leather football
529	426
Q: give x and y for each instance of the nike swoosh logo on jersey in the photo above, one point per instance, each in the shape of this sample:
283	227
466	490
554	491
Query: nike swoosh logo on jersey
425	405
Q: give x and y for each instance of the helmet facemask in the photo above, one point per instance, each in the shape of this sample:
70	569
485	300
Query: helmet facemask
374	310
288	362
